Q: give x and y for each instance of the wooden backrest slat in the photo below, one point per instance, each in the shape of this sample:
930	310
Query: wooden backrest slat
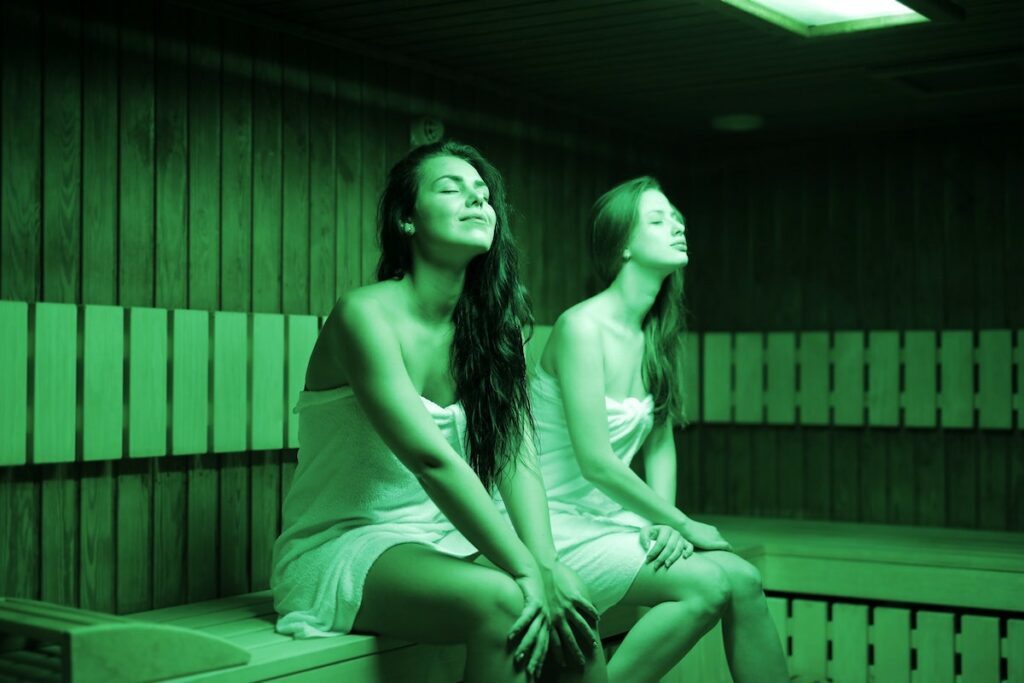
883	396
780	393
717	377
814	403
268	397
171	614
920	402
691	376
102	383
230	363
14	388
190	382
995	405
848	371
749	394
302	332
54	414
957	391
147	382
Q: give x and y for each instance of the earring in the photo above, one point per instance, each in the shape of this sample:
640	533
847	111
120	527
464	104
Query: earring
626	255
408	228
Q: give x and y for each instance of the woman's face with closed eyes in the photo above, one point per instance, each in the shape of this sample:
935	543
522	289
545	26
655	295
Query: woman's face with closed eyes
659	236
452	209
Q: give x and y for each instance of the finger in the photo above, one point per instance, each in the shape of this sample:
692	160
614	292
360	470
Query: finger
687	550
527	643
659	543
666	552
586	609
540	651
676	554
527	616
570	646
585	634
557	646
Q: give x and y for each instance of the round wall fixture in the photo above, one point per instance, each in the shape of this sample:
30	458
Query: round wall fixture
425	130
737	123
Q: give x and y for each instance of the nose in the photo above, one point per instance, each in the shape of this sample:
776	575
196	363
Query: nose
678	228
475	197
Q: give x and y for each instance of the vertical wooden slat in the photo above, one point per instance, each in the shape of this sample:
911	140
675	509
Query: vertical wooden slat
295	154
810	646
14	388
322	170
266	194
302	332
189	390
920	363
933	640
268	397
147	382
103	383
780	394
957	394
372	172
779	610
890	638
849	643
691	376
883	378
994	380
1014	651
979	649
717	377
236	171
349	144
814	404
230	360
55	383
749	397
848	394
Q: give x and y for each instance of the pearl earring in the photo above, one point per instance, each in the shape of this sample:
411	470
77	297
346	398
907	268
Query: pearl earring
626	255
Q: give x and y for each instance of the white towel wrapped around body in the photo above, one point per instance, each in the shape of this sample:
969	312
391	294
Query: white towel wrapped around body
349	501
594	536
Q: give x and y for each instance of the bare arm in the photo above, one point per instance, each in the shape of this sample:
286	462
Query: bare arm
372	360
660	461
581	377
522	489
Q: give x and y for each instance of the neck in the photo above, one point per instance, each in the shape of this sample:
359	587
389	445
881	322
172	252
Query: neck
435	290
632	294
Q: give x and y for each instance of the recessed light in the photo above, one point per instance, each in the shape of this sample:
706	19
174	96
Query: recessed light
811	18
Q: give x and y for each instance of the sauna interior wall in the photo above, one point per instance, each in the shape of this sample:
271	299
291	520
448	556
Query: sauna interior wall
154	155
898	230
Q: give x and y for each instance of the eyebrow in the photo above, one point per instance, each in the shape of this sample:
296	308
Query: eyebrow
460	179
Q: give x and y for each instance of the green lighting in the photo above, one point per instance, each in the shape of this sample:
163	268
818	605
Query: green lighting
812	18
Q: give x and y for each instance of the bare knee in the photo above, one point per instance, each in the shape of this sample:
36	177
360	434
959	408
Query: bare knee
744	579
497	607
708	591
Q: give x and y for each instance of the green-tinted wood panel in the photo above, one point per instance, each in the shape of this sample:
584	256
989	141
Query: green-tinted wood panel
190	382
268	397
55	383
810	647
995	378
933	640
302	332
814	365
780	393
717	377
919	397
691	375
891	640
535	346
1015	650
230	361
1019	399
14	388
849	642
147	382
749	378
979	649
848	393
883	378
957	394
103	383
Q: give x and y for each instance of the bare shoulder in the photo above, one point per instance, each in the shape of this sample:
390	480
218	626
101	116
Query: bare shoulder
576	324
357	315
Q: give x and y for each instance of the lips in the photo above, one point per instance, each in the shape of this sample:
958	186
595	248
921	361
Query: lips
476	218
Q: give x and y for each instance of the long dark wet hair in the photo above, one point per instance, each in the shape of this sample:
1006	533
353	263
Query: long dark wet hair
487	359
613	218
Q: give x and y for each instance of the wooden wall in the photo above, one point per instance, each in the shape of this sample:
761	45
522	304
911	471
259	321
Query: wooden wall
906	230
154	155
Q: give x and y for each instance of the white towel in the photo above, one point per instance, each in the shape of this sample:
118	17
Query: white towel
349	501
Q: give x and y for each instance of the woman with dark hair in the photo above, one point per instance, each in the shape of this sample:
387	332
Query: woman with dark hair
609	384
390	525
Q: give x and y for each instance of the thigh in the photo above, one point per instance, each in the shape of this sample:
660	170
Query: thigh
416	593
695	575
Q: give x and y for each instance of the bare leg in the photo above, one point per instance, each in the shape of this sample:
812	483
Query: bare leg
686	600
416	593
752	644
